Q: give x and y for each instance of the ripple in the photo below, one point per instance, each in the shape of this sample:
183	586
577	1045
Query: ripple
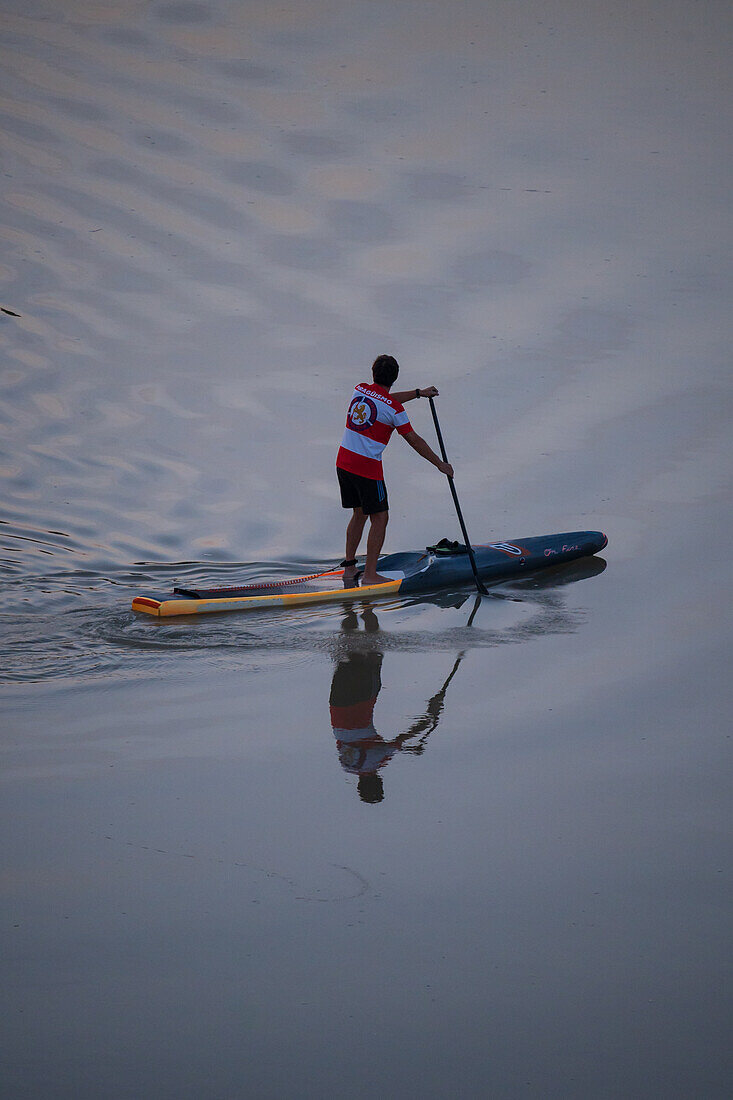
261	176
252	72
317	144
183	11
307	253
360	221
74	108
490	267
76	624
426	185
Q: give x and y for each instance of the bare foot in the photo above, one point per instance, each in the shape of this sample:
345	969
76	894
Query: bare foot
376	579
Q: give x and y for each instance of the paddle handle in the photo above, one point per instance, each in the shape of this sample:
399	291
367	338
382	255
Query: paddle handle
454	494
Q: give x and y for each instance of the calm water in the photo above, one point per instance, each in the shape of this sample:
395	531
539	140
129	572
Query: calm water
213	217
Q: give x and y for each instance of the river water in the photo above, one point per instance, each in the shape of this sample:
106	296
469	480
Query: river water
213	217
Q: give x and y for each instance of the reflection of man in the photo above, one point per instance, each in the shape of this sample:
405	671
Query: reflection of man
354	689
356	683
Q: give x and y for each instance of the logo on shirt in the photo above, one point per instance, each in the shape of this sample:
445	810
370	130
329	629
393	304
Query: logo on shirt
362	414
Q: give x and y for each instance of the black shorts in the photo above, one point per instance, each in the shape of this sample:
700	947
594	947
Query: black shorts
362	492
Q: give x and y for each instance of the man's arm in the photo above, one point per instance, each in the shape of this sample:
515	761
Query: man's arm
410	395
426	451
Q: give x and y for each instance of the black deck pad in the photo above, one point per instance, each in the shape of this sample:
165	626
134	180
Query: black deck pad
445	546
227	593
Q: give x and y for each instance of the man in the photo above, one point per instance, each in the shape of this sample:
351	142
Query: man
372	416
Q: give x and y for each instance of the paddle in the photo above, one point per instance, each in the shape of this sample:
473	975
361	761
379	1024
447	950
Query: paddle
472	559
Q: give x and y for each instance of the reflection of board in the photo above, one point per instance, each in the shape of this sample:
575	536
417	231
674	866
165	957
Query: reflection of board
442	566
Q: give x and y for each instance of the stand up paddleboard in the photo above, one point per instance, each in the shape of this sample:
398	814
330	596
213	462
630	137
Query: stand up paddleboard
445	565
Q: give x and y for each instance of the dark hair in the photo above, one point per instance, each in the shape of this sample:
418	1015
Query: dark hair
370	787
385	369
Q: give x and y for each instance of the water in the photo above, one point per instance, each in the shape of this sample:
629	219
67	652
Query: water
213	218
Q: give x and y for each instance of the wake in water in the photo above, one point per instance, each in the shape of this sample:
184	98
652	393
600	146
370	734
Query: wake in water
78	623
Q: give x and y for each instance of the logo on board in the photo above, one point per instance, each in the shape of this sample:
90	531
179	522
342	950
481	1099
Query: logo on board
507	548
362	414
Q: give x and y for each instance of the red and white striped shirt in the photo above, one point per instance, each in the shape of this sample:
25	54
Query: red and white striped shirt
372	417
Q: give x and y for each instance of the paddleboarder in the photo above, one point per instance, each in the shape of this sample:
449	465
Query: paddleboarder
373	414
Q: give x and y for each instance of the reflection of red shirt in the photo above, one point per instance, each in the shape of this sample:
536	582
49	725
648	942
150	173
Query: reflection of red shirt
372	417
356	716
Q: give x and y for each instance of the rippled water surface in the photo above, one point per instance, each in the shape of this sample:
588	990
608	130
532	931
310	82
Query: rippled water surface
212	218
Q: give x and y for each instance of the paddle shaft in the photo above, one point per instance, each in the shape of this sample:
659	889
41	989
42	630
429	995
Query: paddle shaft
454	494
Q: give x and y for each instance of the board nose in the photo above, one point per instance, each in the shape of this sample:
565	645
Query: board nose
597	541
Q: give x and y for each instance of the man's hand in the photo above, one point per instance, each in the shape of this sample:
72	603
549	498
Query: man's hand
446	468
429	391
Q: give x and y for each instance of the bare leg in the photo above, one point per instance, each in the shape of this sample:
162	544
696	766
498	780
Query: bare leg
375	541
353	537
